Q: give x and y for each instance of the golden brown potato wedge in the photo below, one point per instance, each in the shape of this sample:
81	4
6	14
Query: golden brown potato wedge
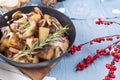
35	59
43	33
46	53
35	17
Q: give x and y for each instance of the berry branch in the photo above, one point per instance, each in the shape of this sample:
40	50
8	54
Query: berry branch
111	67
100	21
99	53
75	48
112	50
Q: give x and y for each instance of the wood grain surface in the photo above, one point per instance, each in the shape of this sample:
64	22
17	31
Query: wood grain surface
37	73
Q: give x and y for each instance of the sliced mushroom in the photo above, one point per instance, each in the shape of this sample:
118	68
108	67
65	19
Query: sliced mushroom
14	27
48	18
36	15
38	11
29	32
56	23
30	14
57	52
17	14
41	23
61	42
31	42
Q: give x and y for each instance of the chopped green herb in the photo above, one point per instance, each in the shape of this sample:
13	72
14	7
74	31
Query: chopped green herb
25	25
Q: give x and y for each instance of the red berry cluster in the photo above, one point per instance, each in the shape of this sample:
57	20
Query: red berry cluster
111	74
75	48
89	59
101	52
87	62
109	50
116	56
115	53
98	40
100	21
101	39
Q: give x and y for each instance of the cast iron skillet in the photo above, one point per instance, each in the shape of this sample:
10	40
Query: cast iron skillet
64	20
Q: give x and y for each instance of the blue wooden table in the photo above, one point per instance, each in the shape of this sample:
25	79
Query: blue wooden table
83	14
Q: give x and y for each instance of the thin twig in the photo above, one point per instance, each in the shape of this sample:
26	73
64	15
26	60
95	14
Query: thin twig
99	37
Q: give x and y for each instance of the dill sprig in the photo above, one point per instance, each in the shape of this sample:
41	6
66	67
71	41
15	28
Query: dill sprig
40	45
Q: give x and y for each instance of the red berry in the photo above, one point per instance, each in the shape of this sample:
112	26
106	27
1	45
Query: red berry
82	68
115	49
114	68
86	65
118	56
117	37
105	23
111	72
97	22
111	22
108	23
108	66
98	51
91	42
74	46
99	19
79	48
101	22
112	76
116	60
107	78
113	54
78	69
109	38
117	46
80	63
109	47
108	52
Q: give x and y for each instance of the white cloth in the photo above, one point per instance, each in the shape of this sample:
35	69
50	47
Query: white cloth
8	72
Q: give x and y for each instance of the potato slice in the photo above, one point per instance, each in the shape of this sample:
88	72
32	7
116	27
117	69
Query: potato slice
43	33
36	17
13	50
48	18
46	53
35	59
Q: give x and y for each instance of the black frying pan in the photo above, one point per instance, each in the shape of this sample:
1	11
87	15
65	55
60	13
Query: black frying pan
64	20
